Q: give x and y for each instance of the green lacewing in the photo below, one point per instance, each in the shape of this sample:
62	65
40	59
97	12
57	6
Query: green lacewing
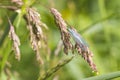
78	38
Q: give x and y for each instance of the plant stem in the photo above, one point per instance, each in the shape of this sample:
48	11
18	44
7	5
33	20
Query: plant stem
96	22
54	69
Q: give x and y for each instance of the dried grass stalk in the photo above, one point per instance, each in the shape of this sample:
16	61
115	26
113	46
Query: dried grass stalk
36	34
63	29
16	41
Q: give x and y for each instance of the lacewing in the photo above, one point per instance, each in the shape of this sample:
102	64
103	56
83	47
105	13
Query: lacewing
78	39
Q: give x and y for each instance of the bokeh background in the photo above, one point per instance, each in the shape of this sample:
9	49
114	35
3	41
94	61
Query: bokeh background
98	21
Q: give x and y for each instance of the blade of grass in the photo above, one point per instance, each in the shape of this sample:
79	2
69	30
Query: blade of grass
7	51
4	36
54	69
96	22
106	25
105	76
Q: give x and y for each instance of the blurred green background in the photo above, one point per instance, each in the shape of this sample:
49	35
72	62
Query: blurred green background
98	21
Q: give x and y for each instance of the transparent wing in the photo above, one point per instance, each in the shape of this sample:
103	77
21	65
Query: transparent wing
77	37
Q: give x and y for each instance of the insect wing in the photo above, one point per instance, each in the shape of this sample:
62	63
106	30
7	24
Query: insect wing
77	37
